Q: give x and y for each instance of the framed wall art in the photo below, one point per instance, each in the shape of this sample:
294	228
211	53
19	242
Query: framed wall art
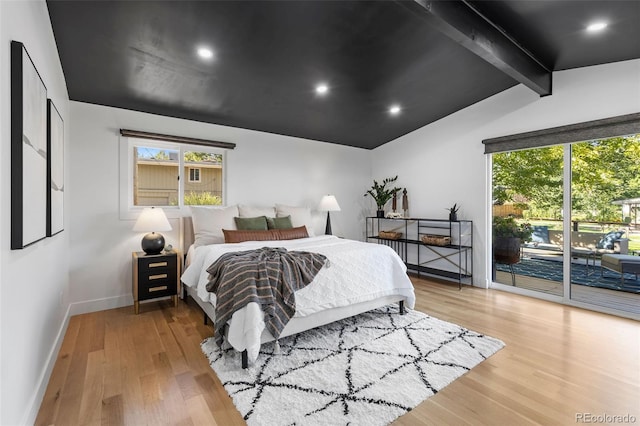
28	150
55	170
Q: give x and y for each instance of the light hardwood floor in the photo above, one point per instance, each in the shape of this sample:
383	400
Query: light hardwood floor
115	367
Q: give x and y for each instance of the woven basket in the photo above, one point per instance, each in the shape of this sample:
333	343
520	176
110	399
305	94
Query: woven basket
436	240
389	235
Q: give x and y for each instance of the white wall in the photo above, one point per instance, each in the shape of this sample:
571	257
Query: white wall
33	281
263	169
444	163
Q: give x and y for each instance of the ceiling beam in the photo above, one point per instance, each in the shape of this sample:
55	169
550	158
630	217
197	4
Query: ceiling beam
465	25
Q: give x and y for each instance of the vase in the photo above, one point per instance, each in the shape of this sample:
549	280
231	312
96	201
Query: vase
380	213
453	217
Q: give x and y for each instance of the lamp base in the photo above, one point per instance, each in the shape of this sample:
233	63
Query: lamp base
327	229
153	243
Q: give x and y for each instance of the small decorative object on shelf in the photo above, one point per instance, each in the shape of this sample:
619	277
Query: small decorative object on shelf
390	235
436	240
453	212
394	215
405	202
381	194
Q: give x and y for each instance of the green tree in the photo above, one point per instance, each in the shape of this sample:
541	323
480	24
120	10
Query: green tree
202	157
161	155
534	175
602	171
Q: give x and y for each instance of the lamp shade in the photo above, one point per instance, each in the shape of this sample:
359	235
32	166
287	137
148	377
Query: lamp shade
329	204
152	219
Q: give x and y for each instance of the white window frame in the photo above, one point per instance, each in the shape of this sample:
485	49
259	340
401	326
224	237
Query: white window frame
130	212
199	173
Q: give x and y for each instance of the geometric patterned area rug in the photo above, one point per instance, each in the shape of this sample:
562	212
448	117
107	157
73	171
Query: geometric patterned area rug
365	370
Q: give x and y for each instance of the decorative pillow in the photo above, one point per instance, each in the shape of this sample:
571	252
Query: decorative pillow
607	242
540	234
208	223
250	211
300	216
239	236
231	236
292	233
251	223
279	222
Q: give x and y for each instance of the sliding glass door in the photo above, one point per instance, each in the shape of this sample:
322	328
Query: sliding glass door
527	219
605	239
574	208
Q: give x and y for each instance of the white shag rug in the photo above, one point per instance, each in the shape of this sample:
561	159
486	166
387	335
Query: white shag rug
365	370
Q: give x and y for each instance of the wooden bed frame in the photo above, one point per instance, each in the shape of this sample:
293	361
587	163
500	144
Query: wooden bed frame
296	324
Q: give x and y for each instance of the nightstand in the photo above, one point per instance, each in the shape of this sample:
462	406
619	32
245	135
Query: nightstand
155	275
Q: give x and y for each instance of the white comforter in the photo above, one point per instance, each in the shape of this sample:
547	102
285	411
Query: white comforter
356	272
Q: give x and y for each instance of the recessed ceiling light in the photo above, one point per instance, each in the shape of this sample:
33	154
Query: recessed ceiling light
597	26
205	53
394	109
322	89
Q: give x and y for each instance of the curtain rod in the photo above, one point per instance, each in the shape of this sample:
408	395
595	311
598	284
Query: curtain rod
179	139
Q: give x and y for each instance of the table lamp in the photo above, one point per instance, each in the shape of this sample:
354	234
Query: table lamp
328	204
152	219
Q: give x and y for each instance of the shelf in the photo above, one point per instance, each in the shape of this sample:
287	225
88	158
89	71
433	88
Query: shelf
452	261
404	240
439	272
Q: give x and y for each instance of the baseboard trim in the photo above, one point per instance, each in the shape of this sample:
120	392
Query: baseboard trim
29	417
96	305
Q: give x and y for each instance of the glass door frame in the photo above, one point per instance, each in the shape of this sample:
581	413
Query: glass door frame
565	299
566	223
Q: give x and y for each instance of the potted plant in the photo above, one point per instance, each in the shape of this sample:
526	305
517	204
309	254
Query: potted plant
453	212
381	194
508	235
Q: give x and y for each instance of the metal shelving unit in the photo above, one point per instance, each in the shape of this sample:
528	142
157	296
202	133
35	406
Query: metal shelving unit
453	261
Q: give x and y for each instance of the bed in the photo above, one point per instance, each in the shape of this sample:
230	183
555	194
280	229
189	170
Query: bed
358	277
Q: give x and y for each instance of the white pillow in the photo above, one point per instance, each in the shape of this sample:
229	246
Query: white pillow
208	223
251	211
299	216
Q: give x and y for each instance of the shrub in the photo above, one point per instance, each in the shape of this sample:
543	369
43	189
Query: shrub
201	199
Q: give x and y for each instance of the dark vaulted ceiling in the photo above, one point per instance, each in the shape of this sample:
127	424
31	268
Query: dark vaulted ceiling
431	58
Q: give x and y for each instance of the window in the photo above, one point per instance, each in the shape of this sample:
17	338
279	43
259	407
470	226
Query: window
194	174
155	176
171	175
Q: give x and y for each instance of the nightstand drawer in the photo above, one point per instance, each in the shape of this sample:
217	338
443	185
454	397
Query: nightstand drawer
157	286
152	277
154	266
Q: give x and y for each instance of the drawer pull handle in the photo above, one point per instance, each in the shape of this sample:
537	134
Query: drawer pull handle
158	264
160	288
158	277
